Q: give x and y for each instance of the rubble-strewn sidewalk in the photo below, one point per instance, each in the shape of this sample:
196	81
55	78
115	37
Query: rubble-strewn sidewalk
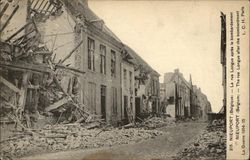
67	137
156	122
211	144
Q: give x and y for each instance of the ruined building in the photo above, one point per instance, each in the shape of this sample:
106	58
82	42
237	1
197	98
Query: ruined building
147	86
58	53
184	100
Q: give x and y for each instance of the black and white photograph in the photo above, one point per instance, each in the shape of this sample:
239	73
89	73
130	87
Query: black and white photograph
124	80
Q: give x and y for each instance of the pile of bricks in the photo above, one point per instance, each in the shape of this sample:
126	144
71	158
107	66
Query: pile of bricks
156	122
211	144
73	136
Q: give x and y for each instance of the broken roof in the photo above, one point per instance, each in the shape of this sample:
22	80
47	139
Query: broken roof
168	77
139	60
81	7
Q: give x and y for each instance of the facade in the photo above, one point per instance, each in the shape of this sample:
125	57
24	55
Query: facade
195	103
107	84
177	94
128	91
147	86
184	100
204	106
163	98
105	73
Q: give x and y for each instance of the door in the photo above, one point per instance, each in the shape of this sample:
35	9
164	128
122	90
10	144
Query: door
137	105
92	96
125	108
185	111
103	101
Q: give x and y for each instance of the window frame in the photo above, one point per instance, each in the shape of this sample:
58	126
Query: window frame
103	54
113	63
91	54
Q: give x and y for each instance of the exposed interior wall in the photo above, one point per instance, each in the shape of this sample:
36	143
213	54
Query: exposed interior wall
59	36
128	87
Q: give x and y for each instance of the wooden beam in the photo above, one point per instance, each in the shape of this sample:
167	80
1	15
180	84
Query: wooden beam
4	9
21	66
48	8
9	85
56	81
40	5
59	66
10	17
58	104
25	35
35	4
15	119
44	6
69	55
18	31
44	52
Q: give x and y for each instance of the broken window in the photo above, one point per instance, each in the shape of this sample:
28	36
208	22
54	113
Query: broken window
113	63
114	104
91	54
103	59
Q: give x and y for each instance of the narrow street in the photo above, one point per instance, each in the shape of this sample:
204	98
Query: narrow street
162	147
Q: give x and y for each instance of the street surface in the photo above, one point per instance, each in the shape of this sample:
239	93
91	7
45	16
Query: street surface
162	147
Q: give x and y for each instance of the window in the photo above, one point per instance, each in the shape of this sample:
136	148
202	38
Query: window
103	59
114	103
130	80
91	54
113	63
155	87
125	77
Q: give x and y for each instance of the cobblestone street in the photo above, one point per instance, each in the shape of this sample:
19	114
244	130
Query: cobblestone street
162	147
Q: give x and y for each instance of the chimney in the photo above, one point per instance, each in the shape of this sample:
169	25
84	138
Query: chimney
190	79
176	70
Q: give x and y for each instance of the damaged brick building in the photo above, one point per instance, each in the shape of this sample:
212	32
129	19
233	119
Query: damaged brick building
63	54
184	100
147	86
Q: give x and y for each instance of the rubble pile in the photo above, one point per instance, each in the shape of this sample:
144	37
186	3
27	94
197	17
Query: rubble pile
73	136
211	144
156	122
32	82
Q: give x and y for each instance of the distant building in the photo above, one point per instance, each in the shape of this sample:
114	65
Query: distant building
163	99
115	82
184	100
147	86
177	94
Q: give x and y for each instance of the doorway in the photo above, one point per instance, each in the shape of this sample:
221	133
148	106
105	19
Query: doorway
125	109
137	105
103	102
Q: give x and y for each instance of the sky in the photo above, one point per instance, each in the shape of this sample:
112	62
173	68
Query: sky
169	35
